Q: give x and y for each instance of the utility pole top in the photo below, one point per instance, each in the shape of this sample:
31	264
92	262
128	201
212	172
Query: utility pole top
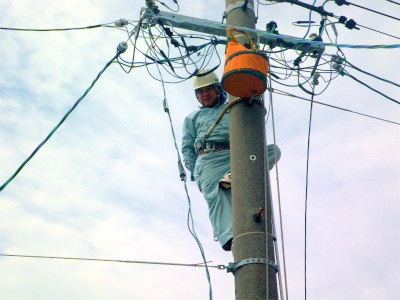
219	29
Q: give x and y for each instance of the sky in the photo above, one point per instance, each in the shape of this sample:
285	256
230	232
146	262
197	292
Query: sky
107	186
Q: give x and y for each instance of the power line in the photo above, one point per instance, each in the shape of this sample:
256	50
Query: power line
371	88
182	174
58	29
62	121
113	260
343	2
381	32
393	2
332	106
375	76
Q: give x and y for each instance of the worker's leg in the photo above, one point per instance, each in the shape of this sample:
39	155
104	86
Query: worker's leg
209	170
221	216
271	155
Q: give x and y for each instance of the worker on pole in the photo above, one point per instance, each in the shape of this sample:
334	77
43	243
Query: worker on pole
208	159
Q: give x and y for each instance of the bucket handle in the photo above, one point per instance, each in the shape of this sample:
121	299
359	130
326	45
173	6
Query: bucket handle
231	30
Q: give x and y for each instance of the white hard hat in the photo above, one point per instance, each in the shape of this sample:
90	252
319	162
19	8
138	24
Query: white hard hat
206	80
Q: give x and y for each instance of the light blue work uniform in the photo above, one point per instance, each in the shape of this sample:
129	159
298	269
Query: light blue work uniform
211	167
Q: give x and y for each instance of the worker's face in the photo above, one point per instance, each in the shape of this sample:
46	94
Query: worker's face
207	95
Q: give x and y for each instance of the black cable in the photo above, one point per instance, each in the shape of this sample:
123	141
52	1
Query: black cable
352	24
342	2
311	75
377	77
319	9
381	32
393	2
376	91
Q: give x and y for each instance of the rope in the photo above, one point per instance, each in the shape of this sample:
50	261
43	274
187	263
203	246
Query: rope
278	189
227	107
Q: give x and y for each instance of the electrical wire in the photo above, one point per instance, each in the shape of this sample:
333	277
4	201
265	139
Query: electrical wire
375	76
371	10
332	106
393	2
60	123
287	38
278	191
309	21
59	29
306	199
172	65
112	260
369	28
381	32
371	88
190	221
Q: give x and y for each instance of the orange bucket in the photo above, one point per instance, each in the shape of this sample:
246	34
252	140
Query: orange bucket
245	72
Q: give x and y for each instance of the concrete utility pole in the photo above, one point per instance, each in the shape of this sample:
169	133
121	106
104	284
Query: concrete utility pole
250	183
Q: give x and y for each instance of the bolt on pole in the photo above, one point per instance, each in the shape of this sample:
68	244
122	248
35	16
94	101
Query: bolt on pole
250	183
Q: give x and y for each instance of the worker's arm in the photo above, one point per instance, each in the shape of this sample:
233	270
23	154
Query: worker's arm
188	139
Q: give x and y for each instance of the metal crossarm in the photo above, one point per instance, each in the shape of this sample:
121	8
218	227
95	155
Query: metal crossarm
219	29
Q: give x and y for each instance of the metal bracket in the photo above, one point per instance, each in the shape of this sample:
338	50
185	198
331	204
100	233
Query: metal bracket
237	5
232	267
219	29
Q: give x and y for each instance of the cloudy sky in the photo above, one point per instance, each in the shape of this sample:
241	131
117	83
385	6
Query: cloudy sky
106	185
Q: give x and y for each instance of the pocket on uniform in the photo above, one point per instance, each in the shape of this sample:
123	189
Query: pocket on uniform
210	191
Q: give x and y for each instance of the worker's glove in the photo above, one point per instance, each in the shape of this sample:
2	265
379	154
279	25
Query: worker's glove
199	145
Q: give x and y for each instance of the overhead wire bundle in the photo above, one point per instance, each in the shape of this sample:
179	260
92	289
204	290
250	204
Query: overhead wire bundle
177	57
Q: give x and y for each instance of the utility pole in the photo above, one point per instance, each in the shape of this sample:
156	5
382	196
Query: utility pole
250	184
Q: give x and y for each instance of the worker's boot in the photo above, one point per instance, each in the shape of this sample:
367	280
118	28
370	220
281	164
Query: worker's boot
225	182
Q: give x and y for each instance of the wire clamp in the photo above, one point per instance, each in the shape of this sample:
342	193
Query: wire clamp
237	5
232	267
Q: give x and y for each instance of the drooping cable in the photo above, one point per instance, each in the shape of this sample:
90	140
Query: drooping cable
309	21
190	221
61	122
306	196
